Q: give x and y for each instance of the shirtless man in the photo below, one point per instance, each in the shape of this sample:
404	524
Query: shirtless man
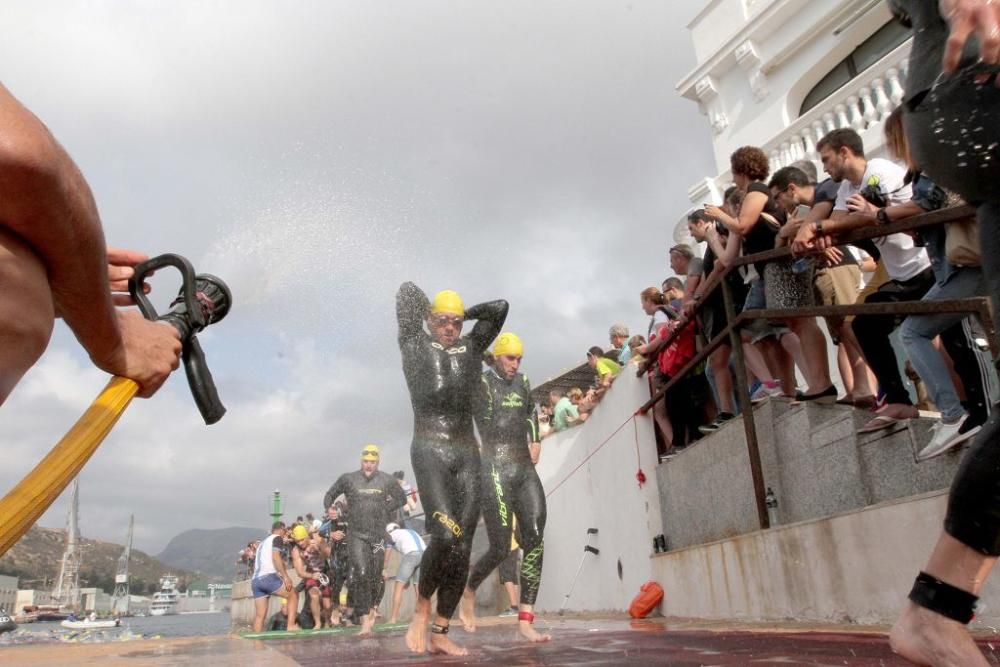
54	263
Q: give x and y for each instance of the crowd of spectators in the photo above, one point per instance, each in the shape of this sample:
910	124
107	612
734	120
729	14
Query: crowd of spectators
793	207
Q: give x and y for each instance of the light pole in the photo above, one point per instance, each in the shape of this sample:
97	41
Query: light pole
276	506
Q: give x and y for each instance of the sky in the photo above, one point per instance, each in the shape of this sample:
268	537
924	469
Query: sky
315	155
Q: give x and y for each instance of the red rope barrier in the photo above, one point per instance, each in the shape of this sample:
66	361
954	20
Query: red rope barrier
597	449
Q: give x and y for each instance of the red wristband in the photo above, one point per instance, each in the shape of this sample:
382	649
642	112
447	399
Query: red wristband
526	616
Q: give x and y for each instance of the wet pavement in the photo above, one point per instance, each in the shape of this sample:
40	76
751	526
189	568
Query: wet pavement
576	641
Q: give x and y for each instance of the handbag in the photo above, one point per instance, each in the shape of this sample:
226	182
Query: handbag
961	243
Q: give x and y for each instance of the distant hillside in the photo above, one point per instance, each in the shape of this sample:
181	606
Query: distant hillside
211	552
36	558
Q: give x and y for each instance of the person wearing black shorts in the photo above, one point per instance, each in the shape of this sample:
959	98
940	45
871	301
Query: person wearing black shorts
442	371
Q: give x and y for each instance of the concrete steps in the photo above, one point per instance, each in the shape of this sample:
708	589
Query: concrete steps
812	458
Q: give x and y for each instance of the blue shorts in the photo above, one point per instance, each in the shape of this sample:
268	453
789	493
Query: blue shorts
409	566
266	585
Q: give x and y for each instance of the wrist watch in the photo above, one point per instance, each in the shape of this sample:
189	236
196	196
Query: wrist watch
882	216
819	228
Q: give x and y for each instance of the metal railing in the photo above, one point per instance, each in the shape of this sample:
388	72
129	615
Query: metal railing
977	306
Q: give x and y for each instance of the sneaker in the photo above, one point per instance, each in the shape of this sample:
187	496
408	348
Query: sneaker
945	437
509	611
717	424
765	391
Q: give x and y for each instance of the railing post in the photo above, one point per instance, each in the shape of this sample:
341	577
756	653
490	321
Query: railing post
746	409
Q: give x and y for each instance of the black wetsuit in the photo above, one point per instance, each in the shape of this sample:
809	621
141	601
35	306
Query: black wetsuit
443	384
507	423
339	559
371	500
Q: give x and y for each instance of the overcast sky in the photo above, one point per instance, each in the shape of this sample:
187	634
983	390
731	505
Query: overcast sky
315	155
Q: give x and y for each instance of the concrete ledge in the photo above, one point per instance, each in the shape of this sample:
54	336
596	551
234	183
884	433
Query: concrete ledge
856	567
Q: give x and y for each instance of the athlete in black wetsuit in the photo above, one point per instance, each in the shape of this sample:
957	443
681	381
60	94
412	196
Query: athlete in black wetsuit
442	373
372	497
335	529
508	426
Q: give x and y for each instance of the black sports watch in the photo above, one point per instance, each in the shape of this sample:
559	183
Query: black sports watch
882	216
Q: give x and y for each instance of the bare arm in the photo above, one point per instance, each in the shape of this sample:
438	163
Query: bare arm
753	206
298	564
47	202
279	565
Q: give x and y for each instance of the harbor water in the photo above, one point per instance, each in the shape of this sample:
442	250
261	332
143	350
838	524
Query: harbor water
174	625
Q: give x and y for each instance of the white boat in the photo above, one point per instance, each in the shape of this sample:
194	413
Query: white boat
165	599
87	624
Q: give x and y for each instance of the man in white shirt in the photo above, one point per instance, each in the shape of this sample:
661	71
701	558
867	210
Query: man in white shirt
867	188
411	547
271	578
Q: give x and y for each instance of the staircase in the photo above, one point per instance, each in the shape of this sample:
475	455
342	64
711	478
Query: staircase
857	517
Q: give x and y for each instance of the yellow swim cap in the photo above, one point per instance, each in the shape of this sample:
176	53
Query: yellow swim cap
299	533
449	303
508	344
369	453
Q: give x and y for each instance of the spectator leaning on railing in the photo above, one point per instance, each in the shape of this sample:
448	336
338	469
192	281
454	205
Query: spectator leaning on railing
834	283
607	370
757	223
564	413
711	314
867	189
618	335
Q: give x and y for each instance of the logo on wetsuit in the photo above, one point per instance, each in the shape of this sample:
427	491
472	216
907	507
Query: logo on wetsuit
512	400
499	488
449	523
450	350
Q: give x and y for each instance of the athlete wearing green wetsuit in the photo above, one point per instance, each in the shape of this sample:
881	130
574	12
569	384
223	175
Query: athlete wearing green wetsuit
442	373
507	423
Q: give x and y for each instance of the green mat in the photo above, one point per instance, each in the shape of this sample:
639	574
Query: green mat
298	634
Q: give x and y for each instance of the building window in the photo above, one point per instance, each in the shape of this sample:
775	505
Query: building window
869	52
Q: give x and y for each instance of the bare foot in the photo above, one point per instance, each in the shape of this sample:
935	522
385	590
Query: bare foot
926	638
441	644
467	610
393	620
293	628
367	621
528	631
416	634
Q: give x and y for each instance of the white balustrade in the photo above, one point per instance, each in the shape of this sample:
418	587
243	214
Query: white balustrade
894	86
840	111
870	114
857	120
882	103
829	122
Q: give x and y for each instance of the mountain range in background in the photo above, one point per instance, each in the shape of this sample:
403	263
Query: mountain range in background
37	557
213	553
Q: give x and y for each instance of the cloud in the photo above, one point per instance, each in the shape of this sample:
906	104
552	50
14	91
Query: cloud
315	155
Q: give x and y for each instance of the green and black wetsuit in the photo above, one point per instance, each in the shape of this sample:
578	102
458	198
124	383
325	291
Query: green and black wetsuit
443	384
371	502
507	422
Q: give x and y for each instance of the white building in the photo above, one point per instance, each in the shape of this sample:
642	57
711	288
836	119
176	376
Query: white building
8	593
33	598
780	74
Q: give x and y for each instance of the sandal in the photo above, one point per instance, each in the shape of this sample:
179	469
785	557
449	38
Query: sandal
880	422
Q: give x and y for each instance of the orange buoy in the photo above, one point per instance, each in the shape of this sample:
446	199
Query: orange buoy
650	595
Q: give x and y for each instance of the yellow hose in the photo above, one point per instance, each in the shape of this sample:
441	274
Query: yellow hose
21	508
